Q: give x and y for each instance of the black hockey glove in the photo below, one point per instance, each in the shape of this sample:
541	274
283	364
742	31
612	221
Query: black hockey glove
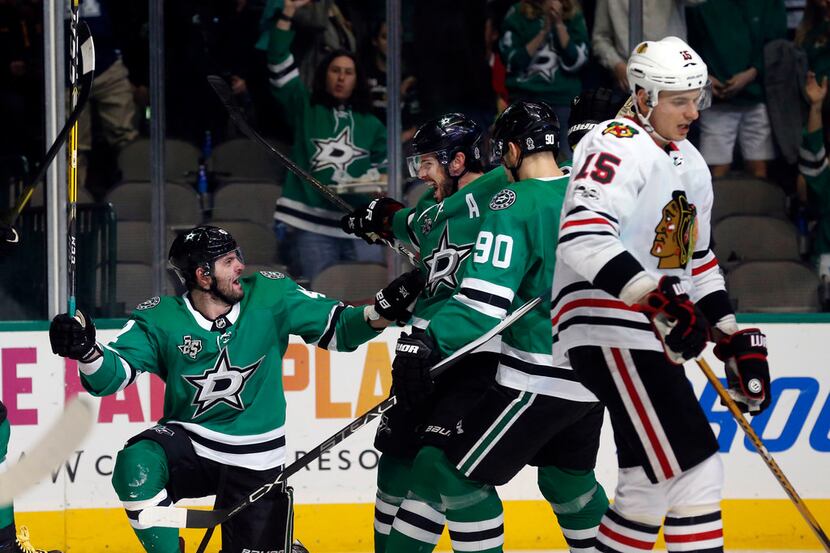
372	223
395	302
679	324
415	354
74	337
744	354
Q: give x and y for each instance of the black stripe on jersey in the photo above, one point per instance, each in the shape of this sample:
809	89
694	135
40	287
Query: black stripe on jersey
538	370
605	321
420	522
630	524
261	447
700	254
811	164
715	306
618	272
412	236
602	548
571	236
284	71
384	518
308	217
479	535
328	334
570	289
691	521
485	297
133	514
580	544
582	208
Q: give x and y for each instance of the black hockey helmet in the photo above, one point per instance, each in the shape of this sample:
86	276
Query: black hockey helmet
444	137
532	126
588	110
200	247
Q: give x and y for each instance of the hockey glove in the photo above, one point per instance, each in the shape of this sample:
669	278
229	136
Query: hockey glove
415	354
679	324
395	302
372	223
744	354
74	337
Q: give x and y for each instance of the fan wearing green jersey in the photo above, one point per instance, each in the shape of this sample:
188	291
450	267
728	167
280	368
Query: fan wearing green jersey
219	349
533	412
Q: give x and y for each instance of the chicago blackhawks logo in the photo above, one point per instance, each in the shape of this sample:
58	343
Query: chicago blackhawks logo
674	241
502	200
620	130
190	347
445	261
223	383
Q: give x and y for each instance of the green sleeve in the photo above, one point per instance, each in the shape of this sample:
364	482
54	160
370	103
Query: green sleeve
284	77
490	282
513	45
400	224
326	322
576	54
812	164
132	352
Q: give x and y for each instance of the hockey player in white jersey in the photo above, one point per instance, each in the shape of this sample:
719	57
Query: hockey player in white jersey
637	291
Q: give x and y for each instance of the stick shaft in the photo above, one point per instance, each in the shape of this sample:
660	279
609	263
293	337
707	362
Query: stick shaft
765	454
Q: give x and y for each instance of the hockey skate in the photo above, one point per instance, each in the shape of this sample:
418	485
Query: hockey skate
22	544
298	547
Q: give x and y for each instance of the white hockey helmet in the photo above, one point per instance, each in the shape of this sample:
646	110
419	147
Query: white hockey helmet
668	64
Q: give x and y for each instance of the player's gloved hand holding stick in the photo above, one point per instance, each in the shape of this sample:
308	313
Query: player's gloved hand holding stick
744	354
372	223
396	301
74	337
678	322
415	355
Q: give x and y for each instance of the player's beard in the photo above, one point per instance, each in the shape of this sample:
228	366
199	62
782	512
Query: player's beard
444	189
225	291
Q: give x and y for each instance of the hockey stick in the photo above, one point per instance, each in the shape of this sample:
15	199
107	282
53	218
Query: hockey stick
765	454
54	447
180	517
87	59
72	165
223	91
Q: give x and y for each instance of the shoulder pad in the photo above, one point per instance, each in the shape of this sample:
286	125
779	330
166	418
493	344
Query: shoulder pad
148	304
503	199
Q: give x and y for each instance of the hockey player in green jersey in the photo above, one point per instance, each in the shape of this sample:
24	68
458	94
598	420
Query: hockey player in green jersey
219	349
336	139
534	413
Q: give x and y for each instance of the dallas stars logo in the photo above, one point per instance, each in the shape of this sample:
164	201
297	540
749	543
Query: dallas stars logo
444	261
223	383
336	153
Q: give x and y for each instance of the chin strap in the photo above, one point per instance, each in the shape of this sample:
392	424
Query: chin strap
647	125
514	171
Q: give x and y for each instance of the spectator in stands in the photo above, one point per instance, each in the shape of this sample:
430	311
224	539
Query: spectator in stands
730	36
336	138
544	44
661	18
112	93
813	167
813	35
498	73
374	60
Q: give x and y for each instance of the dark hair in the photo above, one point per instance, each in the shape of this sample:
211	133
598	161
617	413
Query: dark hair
360	101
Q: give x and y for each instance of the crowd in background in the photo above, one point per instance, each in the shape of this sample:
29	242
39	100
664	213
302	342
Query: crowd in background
767	59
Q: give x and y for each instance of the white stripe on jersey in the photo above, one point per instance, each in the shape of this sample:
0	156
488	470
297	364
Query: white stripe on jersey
488	288
255	461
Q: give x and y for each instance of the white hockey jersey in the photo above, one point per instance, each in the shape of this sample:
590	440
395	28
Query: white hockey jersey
633	212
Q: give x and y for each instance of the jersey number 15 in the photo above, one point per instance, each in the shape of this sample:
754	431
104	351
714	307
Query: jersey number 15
605	168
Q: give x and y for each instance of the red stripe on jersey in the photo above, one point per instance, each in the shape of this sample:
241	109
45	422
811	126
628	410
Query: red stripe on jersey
625	540
641	412
591	302
759	356
703	268
700	536
594	221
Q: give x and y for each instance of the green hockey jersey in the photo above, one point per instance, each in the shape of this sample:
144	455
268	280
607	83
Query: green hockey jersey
513	259
444	234
224	378
812	163
335	145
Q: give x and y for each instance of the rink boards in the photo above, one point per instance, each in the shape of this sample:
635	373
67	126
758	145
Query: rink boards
77	507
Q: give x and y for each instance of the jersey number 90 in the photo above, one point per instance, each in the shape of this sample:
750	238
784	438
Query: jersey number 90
501	247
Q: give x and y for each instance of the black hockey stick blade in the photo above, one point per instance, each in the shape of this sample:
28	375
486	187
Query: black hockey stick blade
87	63
182	517
779	475
225	94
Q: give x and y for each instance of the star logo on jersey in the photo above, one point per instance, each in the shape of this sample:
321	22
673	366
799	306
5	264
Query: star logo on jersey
190	347
620	130
544	64
148	304
503	200
445	261
336	153
223	383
